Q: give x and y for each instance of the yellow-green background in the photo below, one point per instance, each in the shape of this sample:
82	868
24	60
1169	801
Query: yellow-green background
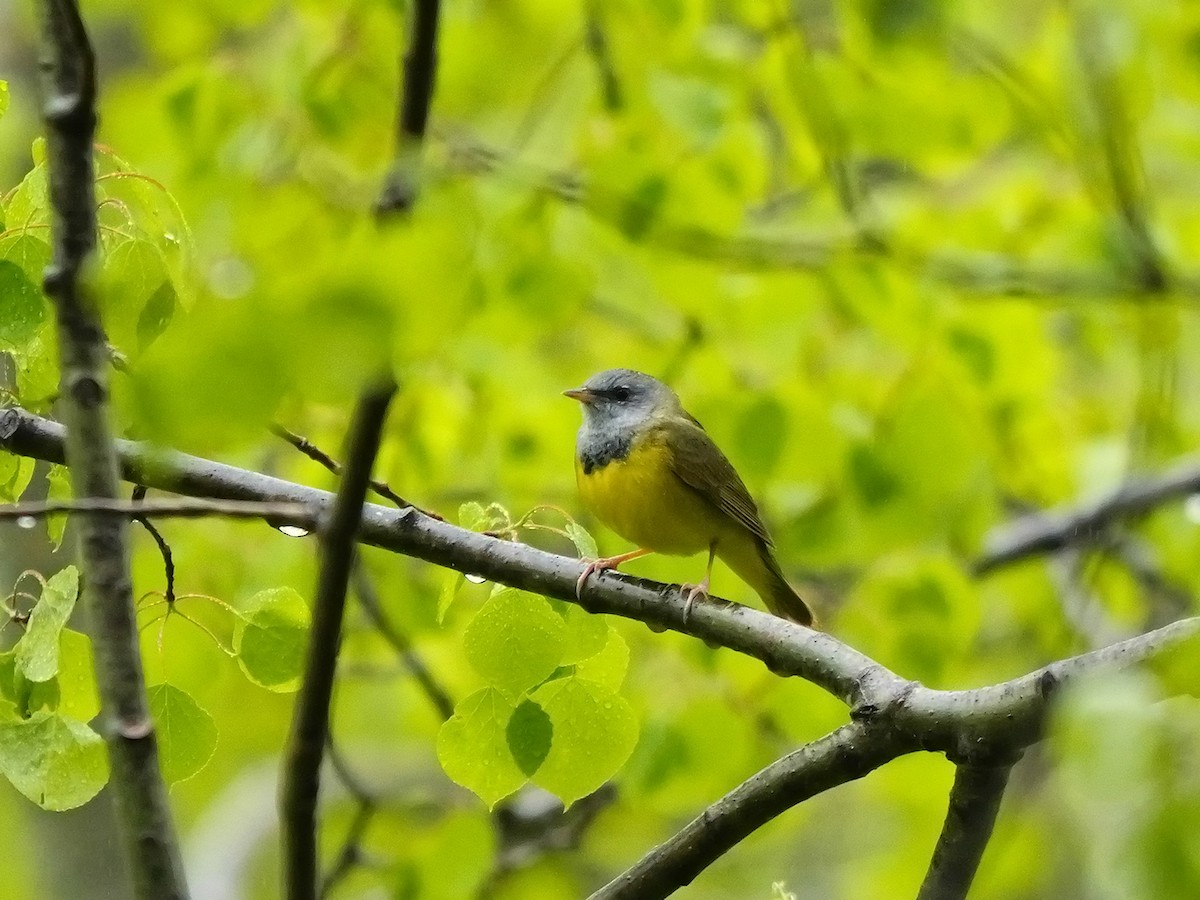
887	407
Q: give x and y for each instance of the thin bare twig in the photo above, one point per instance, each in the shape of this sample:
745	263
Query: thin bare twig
298	514
310	722
164	549
321	458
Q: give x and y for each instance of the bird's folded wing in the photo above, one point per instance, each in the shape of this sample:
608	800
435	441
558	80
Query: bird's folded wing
701	465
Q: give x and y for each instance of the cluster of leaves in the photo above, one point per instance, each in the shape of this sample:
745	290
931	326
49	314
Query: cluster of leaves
47	696
551	713
141	280
51	753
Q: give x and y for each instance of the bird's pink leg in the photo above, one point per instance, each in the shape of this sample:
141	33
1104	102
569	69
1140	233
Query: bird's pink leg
608	562
692	591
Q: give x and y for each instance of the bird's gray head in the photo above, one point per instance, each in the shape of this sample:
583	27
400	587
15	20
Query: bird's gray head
619	400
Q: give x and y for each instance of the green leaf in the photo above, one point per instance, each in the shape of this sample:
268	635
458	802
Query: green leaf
586	634
58	481
27	251
529	734
452	583
29	203
473	516
515	640
136	295
37	371
270	638
3	97
37	651
473	749
78	697
15	474
594	730
584	543
608	667
761	436
56	762
187	734
22	307
156	315
24	696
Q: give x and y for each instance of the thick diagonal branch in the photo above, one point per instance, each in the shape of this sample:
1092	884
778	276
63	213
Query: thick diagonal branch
844	755
1003	716
69	106
974	802
310	721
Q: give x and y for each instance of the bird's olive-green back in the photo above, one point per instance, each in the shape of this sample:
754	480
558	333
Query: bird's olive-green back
700	464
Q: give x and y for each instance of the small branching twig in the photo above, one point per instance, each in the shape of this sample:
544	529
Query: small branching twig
139	495
350	852
310	722
321	458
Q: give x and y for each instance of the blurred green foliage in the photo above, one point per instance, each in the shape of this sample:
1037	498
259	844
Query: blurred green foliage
904	260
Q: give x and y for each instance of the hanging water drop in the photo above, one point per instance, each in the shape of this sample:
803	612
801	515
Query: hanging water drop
26	522
476	579
293	531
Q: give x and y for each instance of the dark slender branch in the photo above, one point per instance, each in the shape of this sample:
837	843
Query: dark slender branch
1047	532
164	549
368	598
298	514
69	109
974	802
419	68
321	458
844	755
310	721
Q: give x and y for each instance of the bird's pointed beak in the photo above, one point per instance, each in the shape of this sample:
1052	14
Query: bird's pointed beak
583	395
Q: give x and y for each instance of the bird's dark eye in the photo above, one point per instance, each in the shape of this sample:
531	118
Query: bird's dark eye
620	394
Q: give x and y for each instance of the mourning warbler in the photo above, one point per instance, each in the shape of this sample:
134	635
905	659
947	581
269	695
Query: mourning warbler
650	472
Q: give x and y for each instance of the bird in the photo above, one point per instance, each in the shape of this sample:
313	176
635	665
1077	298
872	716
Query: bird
647	469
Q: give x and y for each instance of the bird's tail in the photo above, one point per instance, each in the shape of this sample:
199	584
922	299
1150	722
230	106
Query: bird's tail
761	571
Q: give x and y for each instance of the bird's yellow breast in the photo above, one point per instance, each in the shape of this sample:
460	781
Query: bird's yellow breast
641	499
